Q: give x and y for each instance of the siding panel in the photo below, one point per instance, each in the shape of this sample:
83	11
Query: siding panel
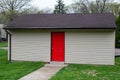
89	47
31	46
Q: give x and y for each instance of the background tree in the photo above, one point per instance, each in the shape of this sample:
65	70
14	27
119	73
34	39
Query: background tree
114	8
96	6
60	8
118	32
10	9
45	11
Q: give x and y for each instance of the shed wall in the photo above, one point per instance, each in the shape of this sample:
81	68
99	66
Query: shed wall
90	47
81	46
31	46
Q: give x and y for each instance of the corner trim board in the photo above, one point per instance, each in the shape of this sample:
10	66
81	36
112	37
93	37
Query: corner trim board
9	36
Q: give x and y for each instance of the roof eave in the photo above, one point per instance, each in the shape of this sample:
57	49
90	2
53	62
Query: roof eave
54	28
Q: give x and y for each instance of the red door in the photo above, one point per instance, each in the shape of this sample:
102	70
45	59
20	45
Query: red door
57	46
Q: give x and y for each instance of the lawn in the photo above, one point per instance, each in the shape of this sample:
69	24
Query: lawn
15	70
89	72
3	44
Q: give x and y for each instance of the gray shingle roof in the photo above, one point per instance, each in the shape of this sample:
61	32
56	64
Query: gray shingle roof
63	21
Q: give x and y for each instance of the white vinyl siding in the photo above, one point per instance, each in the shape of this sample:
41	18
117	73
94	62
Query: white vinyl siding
31	46
90	47
81	46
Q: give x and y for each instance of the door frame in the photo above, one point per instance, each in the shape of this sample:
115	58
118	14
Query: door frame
51	47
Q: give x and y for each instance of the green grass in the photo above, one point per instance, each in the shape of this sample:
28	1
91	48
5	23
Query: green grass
89	72
3	44
15	70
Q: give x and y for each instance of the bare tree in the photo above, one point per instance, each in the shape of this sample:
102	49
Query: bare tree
12	8
90	6
114	8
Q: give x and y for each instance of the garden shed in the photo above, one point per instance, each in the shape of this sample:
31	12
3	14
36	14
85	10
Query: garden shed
68	38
